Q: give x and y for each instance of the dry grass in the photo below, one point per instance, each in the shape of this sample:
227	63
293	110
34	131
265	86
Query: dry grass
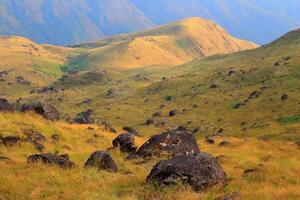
168	45
277	162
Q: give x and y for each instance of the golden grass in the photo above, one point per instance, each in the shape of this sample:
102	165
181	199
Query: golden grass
168	45
277	162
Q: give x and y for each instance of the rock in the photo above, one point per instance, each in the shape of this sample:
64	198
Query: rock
11	140
125	142
254	95
32	136
5	106
38	146
213	86
110	93
56	137
173	113
62	161
149	121
46	110
156	114
224	143
50	89
102	161
238	105
84	117
210	140
168	98
3	74
5	159
231	72
22	81
249	172
176	142
201	171
131	130
284	97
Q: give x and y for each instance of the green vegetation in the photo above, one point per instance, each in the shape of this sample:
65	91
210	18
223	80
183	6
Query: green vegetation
289	119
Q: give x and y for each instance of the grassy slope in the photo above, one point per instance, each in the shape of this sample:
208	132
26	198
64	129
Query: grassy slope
168	45
266	117
40	64
277	177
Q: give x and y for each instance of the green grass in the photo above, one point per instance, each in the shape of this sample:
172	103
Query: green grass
289	119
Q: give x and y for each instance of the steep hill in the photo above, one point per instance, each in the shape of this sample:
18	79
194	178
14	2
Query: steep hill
168	45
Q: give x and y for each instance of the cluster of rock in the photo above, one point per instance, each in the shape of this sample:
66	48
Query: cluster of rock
187	164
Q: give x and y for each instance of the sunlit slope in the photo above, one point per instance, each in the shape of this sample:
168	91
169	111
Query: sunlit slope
204	93
168	45
37	64
271	161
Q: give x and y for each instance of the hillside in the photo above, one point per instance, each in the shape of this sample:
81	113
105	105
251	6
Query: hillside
252	93
20	180
75	21
25	65
168	45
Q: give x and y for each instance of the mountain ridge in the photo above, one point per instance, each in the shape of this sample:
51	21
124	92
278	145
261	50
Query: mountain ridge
168	45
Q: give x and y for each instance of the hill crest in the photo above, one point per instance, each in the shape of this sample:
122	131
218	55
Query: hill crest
169	45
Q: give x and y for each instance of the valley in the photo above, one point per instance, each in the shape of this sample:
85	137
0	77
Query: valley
240	102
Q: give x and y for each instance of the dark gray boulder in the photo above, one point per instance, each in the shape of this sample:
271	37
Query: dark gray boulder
102	161
176	142
62	161
46	110
125	142
201	171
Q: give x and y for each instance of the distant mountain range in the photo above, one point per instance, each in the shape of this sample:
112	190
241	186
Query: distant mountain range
75	21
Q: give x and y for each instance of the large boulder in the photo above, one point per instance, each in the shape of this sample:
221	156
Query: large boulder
125	142
46	110
5	106
201	171
102	161
176	142
62	161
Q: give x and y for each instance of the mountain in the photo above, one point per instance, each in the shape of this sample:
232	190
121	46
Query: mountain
66	22
169	45
76	21
260	21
